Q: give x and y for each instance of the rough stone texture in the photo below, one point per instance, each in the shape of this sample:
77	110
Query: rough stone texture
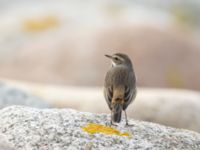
4	144
58	129
12	96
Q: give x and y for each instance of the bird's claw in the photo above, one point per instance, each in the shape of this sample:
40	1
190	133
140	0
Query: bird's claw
129	125
112	124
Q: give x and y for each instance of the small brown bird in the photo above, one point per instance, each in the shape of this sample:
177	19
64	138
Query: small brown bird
119	86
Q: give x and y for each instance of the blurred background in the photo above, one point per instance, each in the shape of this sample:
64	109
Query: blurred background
63	43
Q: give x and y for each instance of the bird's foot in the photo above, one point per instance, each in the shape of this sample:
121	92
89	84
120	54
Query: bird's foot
129	125
113	124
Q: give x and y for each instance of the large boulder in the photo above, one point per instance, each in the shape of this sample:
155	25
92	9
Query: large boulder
13	96
4	144
31	128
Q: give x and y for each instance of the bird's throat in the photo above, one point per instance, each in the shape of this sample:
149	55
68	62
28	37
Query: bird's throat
113	64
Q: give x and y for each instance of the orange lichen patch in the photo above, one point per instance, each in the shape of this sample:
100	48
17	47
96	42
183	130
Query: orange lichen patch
40	24
93	128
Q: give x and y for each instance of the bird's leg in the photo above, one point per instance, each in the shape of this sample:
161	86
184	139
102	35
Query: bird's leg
111	118
127	124
126	117
112	124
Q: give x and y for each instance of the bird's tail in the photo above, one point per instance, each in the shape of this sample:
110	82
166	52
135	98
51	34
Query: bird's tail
116	117
117	113
117	104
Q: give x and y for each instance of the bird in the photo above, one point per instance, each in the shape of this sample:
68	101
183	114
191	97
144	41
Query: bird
119	86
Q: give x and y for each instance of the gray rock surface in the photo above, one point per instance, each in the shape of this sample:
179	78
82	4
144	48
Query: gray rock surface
12	96
4	144
58	129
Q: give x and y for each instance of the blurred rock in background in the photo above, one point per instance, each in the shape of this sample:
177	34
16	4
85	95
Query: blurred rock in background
4	144
13	96
59	42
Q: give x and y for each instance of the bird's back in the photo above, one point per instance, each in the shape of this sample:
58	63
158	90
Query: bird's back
118	80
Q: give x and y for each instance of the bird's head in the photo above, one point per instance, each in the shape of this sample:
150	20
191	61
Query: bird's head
119	59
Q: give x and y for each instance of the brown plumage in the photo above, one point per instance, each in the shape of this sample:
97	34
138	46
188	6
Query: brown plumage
119	86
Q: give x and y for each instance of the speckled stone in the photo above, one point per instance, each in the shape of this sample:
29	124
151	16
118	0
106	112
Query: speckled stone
4	144
59	129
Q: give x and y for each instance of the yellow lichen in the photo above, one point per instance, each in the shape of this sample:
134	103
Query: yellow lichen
93	128
39	24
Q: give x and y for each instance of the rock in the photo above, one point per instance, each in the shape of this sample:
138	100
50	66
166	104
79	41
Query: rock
13	96
54	62
171	107
31	128
4	144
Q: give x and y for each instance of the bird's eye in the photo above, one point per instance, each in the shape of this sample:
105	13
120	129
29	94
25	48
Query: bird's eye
116	58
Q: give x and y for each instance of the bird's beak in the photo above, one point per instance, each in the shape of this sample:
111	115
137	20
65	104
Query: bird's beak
108	56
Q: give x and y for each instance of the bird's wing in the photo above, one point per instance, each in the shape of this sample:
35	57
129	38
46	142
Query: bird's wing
130	91
108	90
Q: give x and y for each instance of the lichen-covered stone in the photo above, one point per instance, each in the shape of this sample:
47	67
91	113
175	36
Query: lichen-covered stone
31	128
